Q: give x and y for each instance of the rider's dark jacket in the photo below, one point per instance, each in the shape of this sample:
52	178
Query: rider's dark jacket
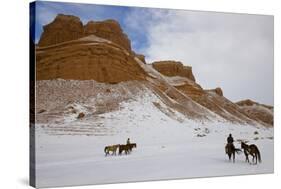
230	140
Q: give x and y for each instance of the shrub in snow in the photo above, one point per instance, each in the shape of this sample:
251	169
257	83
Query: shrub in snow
81	115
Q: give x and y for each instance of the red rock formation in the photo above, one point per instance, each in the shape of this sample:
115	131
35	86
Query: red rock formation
108	29
173	68
63	28
67	27
89	58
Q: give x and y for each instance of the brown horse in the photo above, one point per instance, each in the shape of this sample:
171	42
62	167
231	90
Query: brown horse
124	147
127	148
132	145
251	150
230	151
112	148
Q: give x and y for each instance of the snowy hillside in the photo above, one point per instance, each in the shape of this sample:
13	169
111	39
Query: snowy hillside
169	145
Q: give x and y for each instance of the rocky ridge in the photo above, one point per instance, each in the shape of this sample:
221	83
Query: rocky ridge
100	51
257	110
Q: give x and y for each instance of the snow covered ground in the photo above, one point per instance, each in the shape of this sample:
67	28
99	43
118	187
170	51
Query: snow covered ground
169	146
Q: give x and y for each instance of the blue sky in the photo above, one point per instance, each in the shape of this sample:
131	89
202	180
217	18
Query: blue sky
46	12
231	51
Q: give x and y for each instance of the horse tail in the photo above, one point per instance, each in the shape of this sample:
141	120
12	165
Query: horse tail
105	149
237	150
258	154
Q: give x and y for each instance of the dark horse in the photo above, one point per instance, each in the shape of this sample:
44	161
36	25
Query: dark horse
251	150
230	151
124	147
127	148
132	145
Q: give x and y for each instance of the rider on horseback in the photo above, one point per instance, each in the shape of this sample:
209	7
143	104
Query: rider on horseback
229	143
230	139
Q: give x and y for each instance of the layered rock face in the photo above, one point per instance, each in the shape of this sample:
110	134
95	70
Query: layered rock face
217	90
63	28
67	27
108	29
183	80
141	57
89	58
257	110
214	101
173	68
97	51
249	102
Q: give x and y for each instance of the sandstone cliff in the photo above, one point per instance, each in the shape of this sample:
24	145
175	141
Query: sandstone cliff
68	27
87	58
108	29
63	28
173	68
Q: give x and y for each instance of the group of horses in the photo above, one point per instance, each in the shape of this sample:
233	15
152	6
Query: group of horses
248	150
229	149
126	148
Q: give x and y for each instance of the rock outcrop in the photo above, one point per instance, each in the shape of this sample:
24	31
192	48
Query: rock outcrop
108	29
88	58
249	102
259	111
67	27
217	90
173	68
212	99
141	57
63	28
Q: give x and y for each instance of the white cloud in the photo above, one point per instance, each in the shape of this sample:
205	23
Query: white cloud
233	51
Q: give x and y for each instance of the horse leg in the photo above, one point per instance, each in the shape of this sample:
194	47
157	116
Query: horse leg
229	156
233	157
245	156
